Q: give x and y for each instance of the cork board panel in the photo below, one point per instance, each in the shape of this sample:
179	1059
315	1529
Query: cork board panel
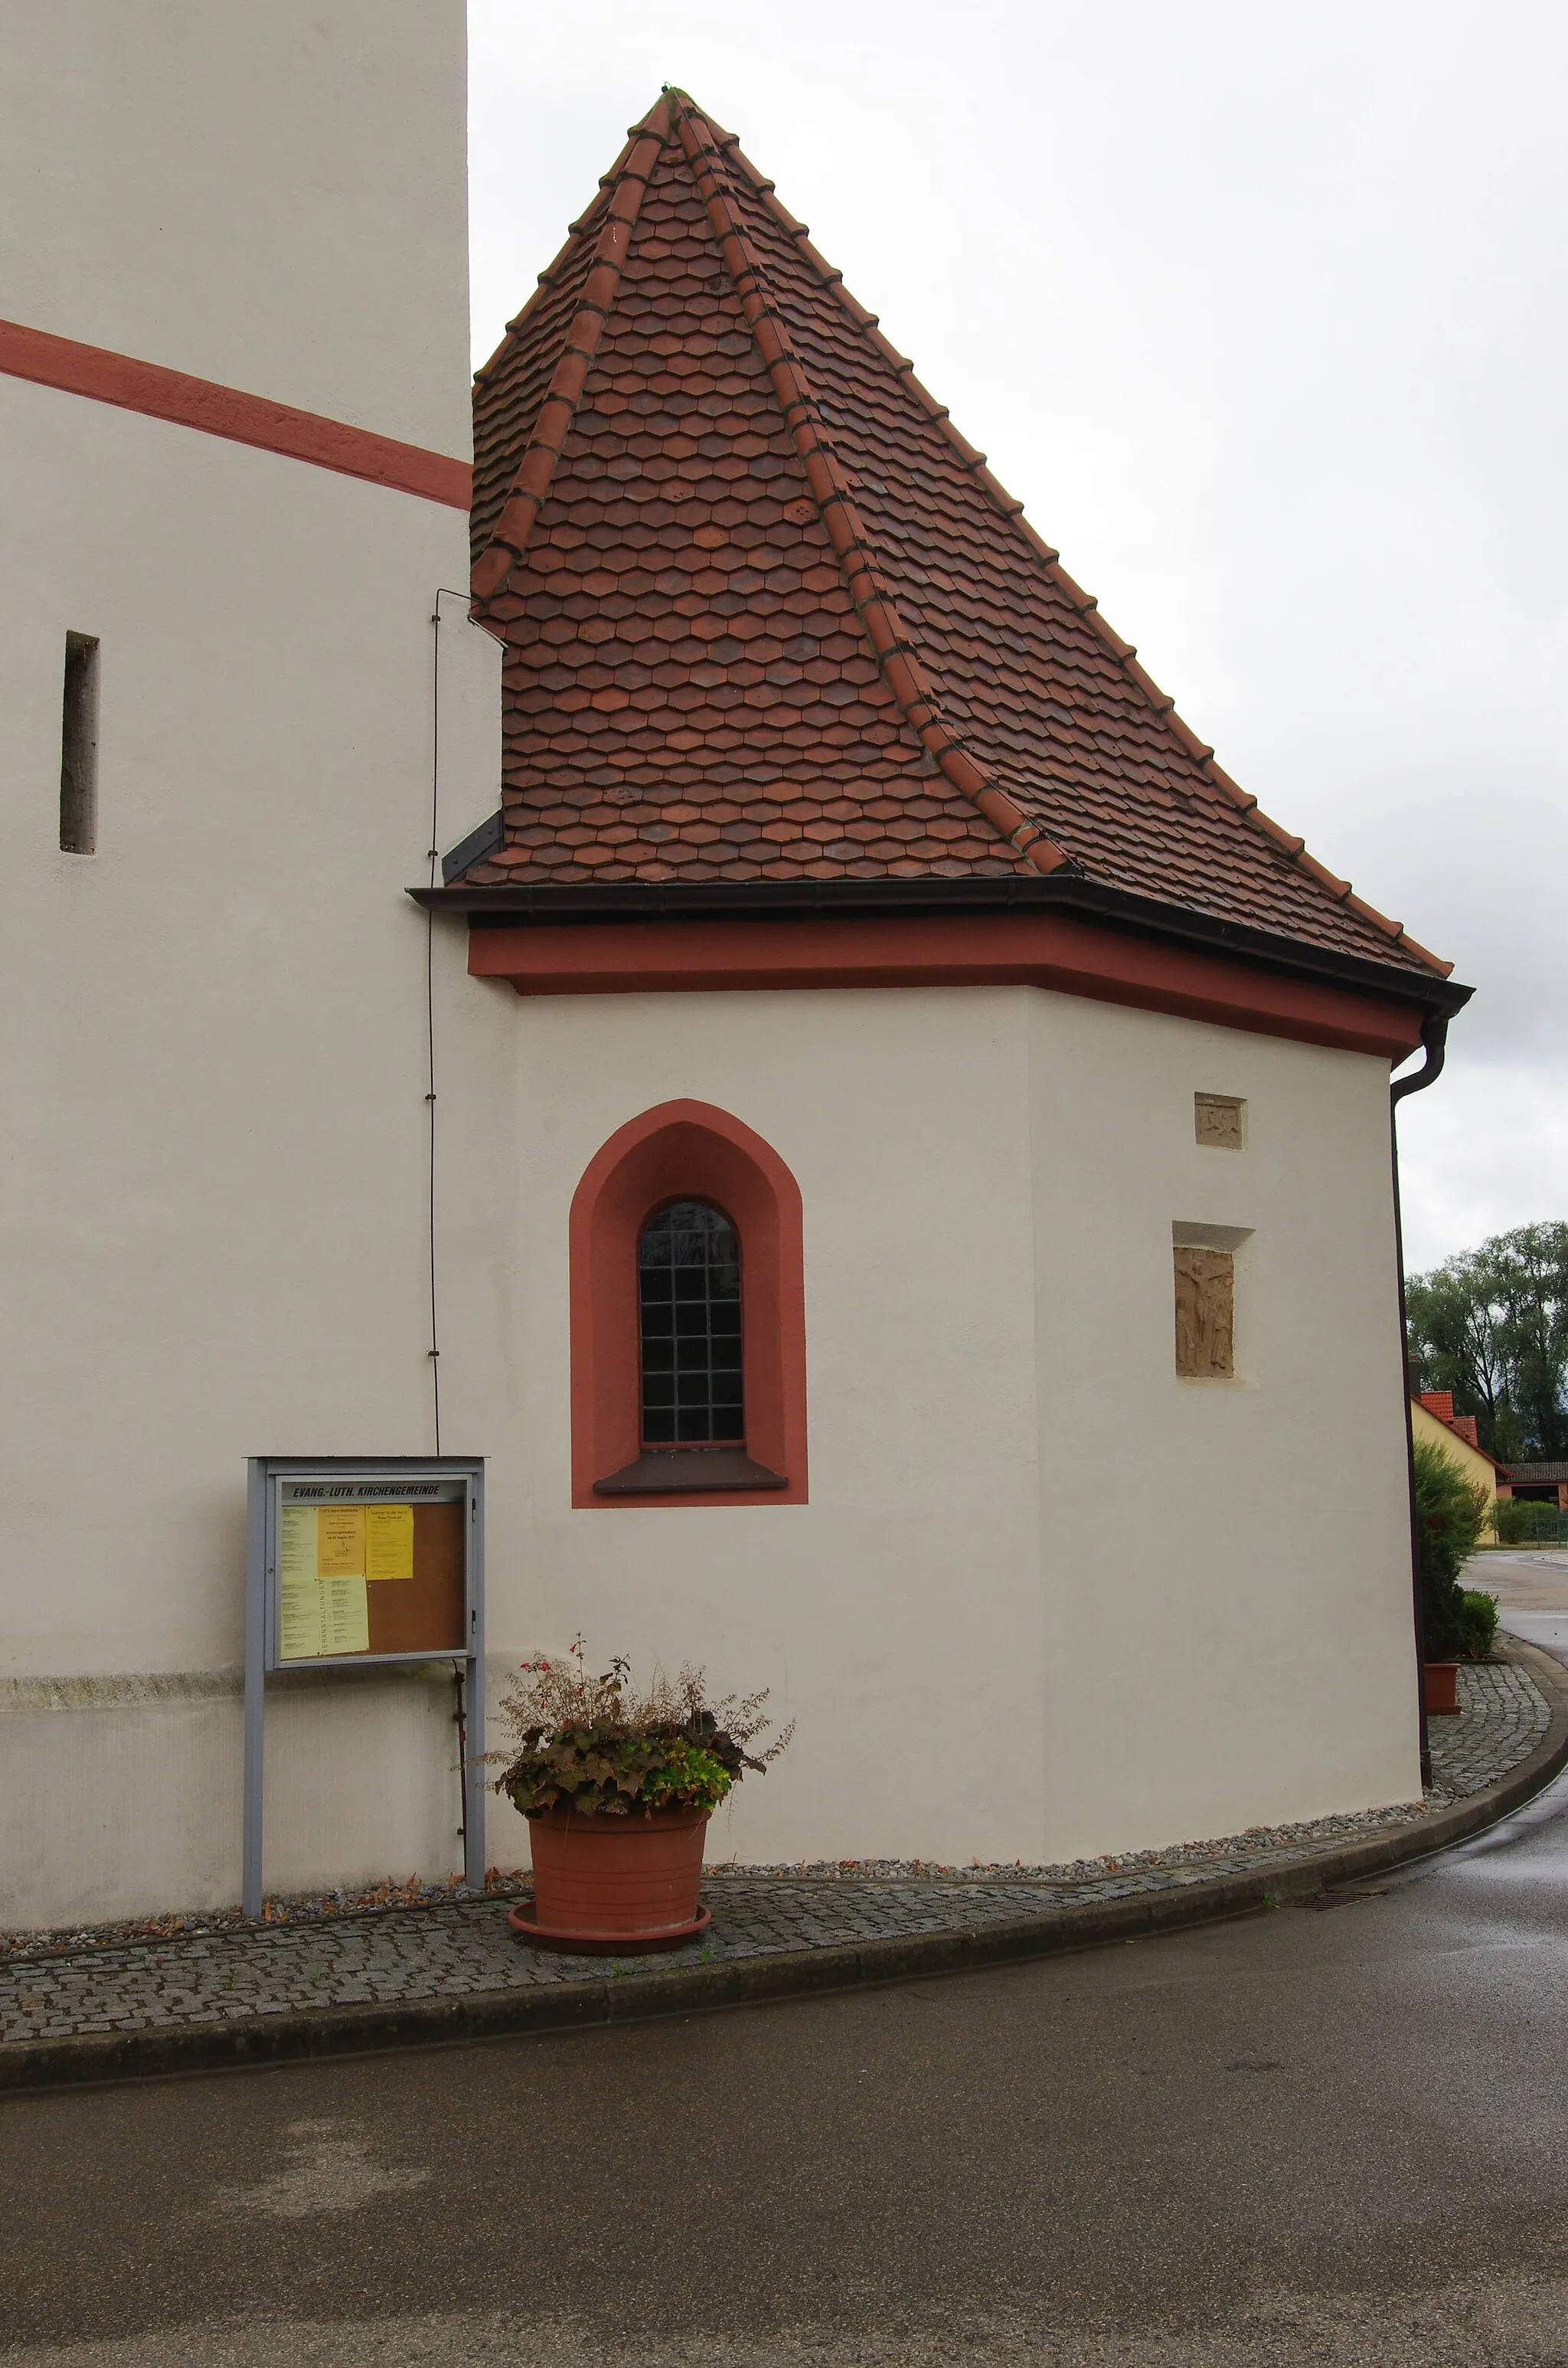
425	1614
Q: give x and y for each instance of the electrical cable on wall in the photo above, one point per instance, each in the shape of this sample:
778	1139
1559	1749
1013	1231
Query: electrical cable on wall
443	592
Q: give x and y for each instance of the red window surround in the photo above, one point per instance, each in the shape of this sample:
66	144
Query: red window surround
685	1150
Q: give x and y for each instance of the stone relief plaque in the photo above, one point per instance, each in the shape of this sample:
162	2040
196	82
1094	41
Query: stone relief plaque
1205	1314
1220	1121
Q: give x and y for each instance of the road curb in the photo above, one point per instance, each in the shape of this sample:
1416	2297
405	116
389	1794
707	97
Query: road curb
698	1989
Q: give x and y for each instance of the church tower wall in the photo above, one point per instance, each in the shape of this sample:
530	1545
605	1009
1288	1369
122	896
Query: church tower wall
233	446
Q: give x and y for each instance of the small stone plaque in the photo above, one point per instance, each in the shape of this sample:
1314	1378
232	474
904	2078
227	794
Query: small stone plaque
1220	1121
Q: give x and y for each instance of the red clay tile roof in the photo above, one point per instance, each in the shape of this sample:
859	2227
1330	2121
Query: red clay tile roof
768	616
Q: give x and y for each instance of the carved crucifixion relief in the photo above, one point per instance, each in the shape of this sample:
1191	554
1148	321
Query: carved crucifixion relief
1205	1314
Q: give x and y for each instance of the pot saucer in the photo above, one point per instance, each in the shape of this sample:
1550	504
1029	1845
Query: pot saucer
589	1943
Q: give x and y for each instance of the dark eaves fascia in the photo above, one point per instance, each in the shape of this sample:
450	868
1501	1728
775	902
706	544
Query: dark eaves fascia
542	905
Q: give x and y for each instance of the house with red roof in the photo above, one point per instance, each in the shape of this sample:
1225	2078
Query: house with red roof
1432	1418
895	973
750	1010
1539	1484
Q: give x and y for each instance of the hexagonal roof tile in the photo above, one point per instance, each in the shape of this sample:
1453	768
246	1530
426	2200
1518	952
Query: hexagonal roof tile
768	617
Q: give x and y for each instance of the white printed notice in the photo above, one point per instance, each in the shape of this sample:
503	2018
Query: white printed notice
322	1606
345	1615
300	1620
297	1546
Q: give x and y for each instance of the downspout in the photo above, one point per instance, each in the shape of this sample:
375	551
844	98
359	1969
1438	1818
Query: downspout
1434	1039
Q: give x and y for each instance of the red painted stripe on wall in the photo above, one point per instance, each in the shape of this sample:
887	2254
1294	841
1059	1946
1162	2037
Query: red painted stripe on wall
1049	950
162	393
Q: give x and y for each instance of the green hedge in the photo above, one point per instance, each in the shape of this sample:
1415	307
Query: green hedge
1522	1521
1478	1624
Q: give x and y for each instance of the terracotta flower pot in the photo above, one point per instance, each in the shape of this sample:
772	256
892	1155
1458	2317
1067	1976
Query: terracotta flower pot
614	1885
1442	1678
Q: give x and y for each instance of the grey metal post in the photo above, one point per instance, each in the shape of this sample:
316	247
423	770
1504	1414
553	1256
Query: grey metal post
257	1485
474	1775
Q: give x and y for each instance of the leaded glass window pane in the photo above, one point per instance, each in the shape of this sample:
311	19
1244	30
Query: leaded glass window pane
688	1273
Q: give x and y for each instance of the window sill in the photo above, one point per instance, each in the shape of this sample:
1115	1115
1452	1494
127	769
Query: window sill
688	1472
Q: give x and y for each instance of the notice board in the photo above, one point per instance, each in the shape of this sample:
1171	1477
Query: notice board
353	1561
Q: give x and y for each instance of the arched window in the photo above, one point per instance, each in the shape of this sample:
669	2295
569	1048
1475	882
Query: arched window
688	1290
688	1332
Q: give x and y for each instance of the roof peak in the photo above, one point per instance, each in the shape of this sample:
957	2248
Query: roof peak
994	669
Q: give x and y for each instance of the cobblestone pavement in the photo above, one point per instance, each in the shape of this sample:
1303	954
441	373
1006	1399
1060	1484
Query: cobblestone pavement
462	1945
1502	1717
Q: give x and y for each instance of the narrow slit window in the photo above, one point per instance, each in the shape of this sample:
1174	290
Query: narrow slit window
79	748
689	1274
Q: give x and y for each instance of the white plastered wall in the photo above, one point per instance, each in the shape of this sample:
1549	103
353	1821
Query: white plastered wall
269	196
1046	1599
903	1600
214	1212
1226	1564
214	1208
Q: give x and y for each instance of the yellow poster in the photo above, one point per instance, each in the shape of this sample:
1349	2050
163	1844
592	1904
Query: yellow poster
345	1615
300	1620
389	1541
297	1554
340	1541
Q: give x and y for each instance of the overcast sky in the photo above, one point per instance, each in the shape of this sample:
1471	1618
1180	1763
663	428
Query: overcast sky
1259	308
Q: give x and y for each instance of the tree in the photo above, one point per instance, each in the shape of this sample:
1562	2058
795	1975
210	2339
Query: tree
1532	1281
1492	1326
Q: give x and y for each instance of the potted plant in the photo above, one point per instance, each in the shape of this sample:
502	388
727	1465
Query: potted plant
1451	1513
617	1782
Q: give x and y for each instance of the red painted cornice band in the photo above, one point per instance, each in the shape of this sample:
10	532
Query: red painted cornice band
161	394
1048	949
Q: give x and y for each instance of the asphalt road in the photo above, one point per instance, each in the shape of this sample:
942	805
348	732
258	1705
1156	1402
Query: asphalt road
1531	1587
1314	2135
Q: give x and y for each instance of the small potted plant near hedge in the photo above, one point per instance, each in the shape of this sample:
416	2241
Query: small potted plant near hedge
617	1782
1456	1623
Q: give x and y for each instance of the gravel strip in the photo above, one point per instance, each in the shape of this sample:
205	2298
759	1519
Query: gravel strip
406	1943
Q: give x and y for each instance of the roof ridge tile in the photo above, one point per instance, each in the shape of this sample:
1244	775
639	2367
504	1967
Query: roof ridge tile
1284	841
509	536
868	586
911	607
520	321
